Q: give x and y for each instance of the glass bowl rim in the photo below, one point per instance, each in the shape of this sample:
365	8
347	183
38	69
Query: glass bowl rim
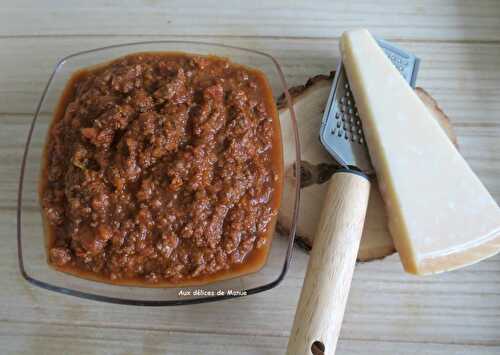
157	303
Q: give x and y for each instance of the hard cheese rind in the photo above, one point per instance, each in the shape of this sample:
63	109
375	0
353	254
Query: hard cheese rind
441	217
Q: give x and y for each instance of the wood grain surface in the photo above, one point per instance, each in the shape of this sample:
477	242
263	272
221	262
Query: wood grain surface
388	312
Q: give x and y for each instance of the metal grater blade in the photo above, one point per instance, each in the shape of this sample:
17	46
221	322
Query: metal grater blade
341	131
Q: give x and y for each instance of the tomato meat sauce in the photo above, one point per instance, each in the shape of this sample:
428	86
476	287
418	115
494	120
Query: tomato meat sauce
162	168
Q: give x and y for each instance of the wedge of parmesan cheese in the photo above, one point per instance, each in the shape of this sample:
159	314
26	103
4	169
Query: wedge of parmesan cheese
441	216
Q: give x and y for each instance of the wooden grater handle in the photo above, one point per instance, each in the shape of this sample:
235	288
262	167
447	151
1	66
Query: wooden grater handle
322	302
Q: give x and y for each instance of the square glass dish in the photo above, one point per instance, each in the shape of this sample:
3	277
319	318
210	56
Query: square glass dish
30	231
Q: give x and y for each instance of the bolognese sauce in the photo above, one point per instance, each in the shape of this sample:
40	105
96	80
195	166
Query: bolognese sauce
162	168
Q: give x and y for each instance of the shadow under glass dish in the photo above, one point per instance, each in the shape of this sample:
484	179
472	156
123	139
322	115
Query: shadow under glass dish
31	241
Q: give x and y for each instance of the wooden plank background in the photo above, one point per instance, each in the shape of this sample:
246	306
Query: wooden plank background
389	312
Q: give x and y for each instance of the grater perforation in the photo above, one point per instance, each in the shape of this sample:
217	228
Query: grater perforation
341	129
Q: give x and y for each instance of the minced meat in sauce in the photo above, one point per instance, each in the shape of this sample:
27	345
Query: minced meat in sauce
162	168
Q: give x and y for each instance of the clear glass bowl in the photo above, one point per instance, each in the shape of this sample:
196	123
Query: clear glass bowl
31	242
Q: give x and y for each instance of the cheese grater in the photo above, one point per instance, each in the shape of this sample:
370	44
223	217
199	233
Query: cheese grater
341	132
322	302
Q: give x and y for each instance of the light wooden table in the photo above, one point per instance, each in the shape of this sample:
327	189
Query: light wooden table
388	312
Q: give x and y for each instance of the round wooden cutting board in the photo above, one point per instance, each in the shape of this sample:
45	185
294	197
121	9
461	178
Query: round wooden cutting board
317	166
